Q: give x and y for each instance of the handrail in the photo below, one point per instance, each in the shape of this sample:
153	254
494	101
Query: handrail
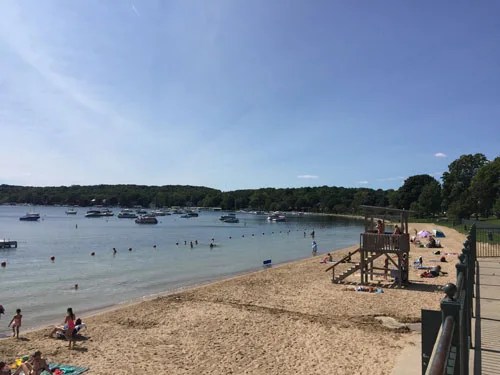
440	360
456	312
342	260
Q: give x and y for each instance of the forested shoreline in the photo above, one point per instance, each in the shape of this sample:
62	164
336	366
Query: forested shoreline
471	186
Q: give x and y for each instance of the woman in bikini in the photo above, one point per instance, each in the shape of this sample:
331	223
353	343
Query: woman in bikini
35	366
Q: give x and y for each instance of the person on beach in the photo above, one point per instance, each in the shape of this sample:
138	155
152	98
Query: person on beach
67	328
314	248
36	365
15	323
327	259
4	368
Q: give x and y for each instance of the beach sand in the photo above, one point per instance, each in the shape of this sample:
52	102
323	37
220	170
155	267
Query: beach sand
285	319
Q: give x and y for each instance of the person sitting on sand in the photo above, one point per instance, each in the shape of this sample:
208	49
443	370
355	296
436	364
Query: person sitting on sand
431	243
4	369
36	365
327	259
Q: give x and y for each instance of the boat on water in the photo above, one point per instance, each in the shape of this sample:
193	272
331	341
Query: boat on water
189	215
30	217
146	219
107	212
94	213
229	218
127	213
276	217
71	211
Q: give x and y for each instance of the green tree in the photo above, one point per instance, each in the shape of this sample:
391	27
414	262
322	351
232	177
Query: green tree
412	188
456	183
485	187
429	201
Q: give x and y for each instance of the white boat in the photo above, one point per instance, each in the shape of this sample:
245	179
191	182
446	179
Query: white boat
94	213
71	211
276	217
127	213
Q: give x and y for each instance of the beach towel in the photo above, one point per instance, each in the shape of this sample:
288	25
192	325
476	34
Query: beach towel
65	369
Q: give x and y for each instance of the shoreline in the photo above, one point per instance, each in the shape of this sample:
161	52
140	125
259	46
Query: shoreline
288	318
180	289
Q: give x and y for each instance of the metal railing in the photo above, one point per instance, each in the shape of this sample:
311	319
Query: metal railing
451	349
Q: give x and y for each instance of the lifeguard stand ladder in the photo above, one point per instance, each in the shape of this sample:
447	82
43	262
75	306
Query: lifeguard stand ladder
372	245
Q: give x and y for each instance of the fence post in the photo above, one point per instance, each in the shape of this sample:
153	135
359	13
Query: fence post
451	307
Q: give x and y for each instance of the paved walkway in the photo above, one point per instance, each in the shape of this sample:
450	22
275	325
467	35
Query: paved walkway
485	358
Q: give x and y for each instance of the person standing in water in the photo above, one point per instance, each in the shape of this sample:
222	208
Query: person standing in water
314	248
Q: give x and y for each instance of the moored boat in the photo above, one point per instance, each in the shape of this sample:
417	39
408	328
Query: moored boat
146	219
276	217
71	211
127	213
30	217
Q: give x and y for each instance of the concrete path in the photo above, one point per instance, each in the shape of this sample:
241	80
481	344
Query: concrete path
485	358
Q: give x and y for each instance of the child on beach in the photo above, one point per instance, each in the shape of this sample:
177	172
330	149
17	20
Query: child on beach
16	323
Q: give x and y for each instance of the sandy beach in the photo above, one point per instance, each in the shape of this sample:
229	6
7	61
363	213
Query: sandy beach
286	319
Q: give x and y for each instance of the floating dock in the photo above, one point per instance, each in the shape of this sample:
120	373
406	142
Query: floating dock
7	244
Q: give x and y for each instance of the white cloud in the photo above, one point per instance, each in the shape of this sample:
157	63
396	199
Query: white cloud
363	182
134	9
399	178
440	155
307	176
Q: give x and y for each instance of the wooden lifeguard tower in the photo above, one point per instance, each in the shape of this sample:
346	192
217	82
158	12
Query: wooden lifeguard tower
372	245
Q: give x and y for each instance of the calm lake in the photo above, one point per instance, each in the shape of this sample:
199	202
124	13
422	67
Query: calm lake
43	289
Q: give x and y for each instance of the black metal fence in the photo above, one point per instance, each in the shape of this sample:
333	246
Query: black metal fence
487	238
450	354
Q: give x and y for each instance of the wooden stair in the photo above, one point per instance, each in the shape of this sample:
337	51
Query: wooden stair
355	267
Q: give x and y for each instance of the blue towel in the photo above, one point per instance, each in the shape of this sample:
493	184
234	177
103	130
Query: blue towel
68	369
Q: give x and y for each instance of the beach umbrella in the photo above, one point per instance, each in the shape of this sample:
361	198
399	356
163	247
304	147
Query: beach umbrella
424	233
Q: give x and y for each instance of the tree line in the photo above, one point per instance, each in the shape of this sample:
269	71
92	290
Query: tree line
471	186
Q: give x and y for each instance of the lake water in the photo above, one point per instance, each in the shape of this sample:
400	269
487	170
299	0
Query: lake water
43	289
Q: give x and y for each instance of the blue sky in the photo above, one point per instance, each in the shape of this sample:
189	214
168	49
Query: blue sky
245	94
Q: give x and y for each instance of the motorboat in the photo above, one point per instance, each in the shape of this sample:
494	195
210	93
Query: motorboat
30	217
146	219
127	213
229	218
158	213
230	215
106	212
71	211
276	217
94	213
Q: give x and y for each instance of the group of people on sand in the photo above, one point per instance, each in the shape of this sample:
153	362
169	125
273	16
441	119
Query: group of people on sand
35	365
69	329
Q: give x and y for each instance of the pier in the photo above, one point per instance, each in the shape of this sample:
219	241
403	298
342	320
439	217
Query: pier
7	244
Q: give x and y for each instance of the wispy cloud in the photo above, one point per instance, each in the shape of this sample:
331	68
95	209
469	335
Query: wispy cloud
134	9
307	176
363	182
398	178
440	155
